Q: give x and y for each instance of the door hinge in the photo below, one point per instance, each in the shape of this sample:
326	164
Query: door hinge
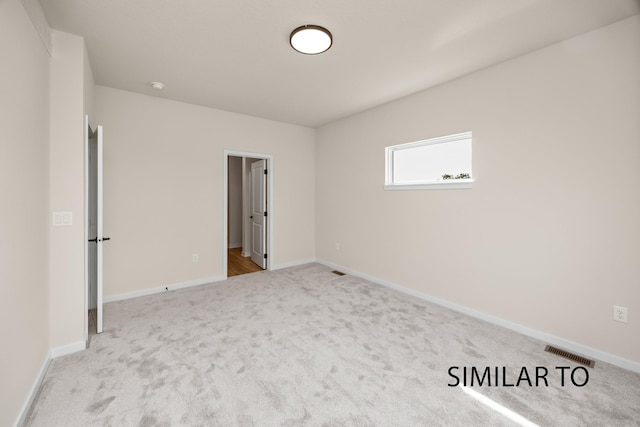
265	256
265	214
265	171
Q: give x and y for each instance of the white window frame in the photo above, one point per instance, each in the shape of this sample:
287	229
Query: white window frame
425	185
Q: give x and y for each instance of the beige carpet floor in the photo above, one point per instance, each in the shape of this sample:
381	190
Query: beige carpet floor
305	347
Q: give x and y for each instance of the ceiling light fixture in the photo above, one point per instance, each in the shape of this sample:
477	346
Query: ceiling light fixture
311	39
157	85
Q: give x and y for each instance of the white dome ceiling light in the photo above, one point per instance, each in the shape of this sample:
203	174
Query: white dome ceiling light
157	85
311	39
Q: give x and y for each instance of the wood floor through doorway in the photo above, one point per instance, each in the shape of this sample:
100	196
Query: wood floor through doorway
237	264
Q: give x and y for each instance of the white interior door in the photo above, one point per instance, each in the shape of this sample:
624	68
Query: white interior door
259	212
100	236
96	239
92	232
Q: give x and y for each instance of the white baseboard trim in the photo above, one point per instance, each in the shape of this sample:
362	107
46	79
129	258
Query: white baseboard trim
52	354
234	245
24	411
534	333
68	349
292	264
171	287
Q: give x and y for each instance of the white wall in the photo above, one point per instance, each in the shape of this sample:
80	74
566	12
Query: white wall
89	85
66	191
164	188
549	237
24	211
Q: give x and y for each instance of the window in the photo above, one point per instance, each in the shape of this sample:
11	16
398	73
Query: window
443	162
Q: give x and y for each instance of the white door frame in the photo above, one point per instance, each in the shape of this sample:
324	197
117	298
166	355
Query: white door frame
225	204
86	230
100	228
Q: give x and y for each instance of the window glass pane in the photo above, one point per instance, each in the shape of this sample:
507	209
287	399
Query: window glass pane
427	163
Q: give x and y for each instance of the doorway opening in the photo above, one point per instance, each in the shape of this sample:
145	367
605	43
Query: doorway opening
93	230
247	213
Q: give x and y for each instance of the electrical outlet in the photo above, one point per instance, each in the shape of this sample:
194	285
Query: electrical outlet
195	258
620	314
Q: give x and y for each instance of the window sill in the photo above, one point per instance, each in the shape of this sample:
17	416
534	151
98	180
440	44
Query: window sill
439	185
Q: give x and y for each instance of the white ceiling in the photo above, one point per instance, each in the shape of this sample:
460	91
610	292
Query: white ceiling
234	55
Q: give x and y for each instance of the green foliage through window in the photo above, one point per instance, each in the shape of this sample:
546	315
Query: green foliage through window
459	176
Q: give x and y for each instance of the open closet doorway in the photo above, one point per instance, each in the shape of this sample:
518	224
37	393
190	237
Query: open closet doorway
247	213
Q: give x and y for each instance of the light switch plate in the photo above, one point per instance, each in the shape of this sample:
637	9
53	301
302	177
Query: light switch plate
62	219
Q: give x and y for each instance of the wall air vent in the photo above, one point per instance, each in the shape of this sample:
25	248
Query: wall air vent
567	355
339	273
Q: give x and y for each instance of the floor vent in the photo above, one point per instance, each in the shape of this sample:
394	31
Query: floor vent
339	273
567	355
